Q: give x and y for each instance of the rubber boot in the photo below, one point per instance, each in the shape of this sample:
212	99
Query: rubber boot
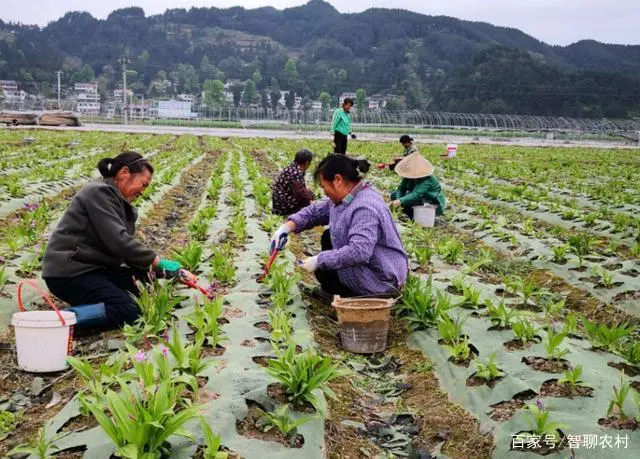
89	316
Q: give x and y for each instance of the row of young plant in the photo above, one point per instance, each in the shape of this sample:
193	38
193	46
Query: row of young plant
601	222
423	306
79	162
303	374
606	276
602	175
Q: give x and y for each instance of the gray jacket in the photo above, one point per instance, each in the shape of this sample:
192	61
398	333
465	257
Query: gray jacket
96	231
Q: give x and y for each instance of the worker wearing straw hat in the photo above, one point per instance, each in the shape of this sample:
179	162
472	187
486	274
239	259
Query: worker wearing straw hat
419	186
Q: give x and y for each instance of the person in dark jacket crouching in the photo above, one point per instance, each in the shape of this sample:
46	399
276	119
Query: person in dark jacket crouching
93	257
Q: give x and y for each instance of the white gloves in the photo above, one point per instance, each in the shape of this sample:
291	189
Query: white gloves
309	264
279	239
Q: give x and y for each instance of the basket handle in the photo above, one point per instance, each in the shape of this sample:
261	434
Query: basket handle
44	295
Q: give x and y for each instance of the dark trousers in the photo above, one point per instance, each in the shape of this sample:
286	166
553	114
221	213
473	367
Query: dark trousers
113	288
329	280
341	143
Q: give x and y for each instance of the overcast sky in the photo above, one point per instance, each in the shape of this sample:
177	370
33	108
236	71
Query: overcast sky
554	21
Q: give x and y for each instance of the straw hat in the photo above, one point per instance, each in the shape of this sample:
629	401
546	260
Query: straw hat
414	166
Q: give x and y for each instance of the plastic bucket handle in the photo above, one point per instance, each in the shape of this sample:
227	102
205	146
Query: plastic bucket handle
44	295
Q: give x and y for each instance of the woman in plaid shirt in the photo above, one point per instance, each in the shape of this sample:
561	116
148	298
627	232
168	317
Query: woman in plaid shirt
362	253
290	193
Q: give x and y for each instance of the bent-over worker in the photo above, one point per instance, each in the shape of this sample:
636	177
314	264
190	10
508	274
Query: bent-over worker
418	186
83	262
290	193
362	253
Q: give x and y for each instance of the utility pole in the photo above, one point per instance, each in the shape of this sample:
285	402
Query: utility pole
124	60
59	72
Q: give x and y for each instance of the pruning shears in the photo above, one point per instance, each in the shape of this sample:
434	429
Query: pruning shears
191	281
270	262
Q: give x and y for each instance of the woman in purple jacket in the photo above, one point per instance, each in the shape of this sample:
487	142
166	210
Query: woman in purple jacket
362	253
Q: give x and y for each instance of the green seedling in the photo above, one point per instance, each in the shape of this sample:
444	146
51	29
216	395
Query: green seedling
211	446
41	447
8	422
571	324
631	352
271	223
190	255
471	297
635	249
421	306
188	356
221	263
281	420
616	405
572	378
500	315
552	344
198	229
459	350
581	245
423	255
607	337
98	380
450	250
304	376
450	329
541	424
3	278
590	219
281	325
156	302
158	399
553	309
524	330
488	371
560	253
238	226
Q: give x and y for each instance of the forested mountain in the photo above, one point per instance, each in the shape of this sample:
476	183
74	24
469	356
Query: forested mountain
434	63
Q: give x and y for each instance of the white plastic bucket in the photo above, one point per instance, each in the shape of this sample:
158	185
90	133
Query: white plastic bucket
43	341
452	149
425	215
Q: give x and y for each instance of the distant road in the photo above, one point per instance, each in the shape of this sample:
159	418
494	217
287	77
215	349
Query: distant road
293	134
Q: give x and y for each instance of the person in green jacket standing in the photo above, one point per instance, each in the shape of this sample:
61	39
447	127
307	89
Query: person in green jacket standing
341	126
418	187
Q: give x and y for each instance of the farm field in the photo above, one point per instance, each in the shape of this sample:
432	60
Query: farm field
515	336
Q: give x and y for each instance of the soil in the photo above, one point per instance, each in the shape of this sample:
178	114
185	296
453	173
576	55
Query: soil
79	423
600	286
262	360
631	273
266	326
503	411
473	381
277	392
499	328
208	351
615	422
247	428
629	295
613	266
552	388
579	269
164	224
504	294
248	343
518	345
546	365
629	370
